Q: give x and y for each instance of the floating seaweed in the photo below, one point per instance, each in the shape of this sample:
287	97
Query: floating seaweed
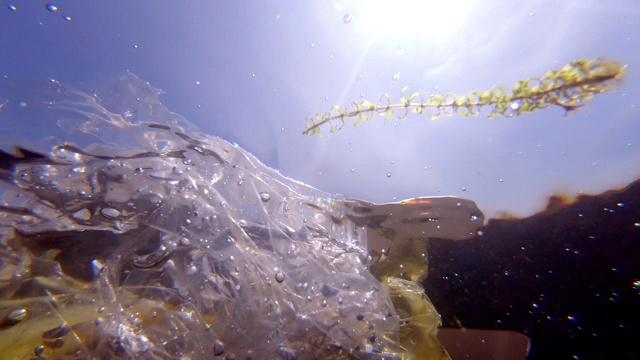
568	88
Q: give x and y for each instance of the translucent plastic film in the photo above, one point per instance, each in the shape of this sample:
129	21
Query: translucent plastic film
152	241
128	234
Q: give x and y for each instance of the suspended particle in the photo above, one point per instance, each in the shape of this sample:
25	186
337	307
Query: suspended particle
51	7
347	18
12	7
67	17
396	76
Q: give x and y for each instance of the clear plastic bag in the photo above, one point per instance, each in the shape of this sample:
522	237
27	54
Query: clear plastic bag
147	239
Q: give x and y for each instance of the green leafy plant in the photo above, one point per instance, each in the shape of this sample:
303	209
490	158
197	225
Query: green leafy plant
569	88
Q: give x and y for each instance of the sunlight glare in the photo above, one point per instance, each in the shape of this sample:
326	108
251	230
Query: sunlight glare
402	21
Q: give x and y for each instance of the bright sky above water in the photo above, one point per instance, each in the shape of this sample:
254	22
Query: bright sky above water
251	72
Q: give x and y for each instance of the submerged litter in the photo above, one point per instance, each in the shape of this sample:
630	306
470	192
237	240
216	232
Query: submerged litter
147	239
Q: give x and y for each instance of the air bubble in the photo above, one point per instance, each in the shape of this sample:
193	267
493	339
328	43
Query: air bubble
388	175
82	215
218	348
329	291
51	7
279	276
97	266
17	315
110	213
302	286
264	196
152	259
38	350
347	18
464	188
57	332
191	269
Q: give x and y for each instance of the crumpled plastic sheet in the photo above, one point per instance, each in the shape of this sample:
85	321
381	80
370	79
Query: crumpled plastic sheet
146	239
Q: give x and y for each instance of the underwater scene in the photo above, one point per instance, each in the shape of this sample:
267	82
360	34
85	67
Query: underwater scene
319	180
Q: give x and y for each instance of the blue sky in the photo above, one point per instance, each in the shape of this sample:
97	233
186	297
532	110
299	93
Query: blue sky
252	71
